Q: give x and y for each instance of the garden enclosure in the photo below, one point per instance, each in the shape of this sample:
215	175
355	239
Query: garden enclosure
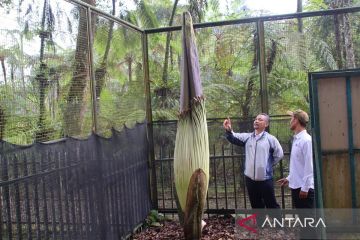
70	70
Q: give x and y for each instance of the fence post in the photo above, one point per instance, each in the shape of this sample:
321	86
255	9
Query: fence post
1	197
100	187
262	67
151	157
91	70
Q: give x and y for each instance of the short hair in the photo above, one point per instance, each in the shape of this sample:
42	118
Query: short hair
266	117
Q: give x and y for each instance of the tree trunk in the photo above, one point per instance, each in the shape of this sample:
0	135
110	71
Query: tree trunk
101	71
251	81
299	10
348	43
42	80
2	123
343	36
339	56
75	99
167	46
2	59
271	56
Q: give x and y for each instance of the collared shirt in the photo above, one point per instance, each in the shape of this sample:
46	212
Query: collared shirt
301	163
258	136
262	151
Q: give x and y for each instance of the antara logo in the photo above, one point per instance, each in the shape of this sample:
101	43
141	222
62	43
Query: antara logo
241	223
281	222
294	222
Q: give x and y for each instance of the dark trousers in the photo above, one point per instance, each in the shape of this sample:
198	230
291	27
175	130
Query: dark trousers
261	193
305	203
308	202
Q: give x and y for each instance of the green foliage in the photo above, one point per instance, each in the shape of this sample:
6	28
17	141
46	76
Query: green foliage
154	219
229	71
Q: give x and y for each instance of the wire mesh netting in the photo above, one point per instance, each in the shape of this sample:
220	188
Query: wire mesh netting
299	46
120	94
229	71
230	57
47	73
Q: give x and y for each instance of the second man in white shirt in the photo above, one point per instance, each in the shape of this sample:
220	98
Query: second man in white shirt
301	176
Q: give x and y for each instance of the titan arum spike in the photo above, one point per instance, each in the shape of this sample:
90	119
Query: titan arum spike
191	157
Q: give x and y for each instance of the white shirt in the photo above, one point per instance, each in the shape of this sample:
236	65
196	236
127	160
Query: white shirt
301	163
257	137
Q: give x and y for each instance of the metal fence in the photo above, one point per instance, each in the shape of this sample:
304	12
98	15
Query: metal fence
227	190
75	189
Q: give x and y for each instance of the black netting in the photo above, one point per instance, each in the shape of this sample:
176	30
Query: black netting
75	189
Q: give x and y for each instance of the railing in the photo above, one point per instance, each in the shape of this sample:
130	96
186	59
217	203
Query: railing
227	191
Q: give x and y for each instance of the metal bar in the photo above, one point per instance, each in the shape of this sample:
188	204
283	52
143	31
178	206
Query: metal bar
317	145
85	190
36	198
57	179
111	196
215	179
78	173
220	120
351	141
38	175
171	180
44	198
91	68
234	177
118	196
256	19
99	185
1	202
72	202
162	178
106	15
17	199
282	188
150	134
213	157
65	185
59	193
27	201
262	66
52	197
224	174
6	194
207	198
336	73
122	197
244	181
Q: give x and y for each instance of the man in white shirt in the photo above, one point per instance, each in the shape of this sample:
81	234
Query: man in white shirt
301	175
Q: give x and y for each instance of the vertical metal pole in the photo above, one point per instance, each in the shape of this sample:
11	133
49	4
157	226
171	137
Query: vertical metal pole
91	70
152	169
317	153
318	176
351	141
262	67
